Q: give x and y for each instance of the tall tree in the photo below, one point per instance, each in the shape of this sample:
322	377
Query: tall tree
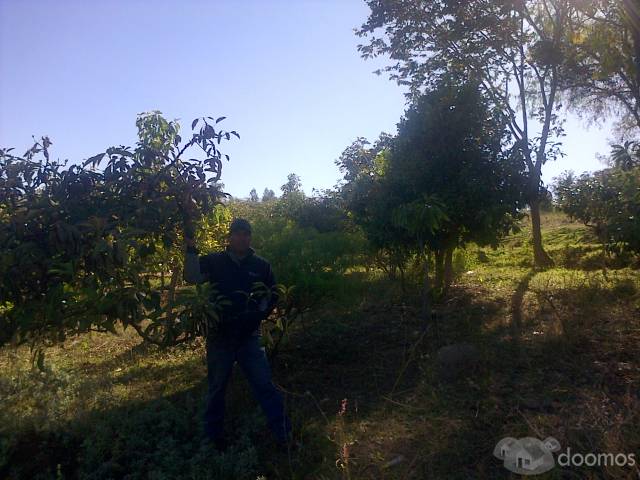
293	197
268	195
293	184
450	147
602	67
443	181
253	195
511	47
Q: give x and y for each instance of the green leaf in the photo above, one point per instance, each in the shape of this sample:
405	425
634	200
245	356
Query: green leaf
119	151
95	159
219	119
209	132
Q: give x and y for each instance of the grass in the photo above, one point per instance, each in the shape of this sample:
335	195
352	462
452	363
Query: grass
558	358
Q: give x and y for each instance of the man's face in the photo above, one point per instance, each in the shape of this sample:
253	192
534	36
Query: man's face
240	240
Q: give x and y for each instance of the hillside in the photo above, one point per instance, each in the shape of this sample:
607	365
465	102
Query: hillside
557	356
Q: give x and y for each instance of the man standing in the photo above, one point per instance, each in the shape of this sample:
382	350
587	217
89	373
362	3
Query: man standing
234	272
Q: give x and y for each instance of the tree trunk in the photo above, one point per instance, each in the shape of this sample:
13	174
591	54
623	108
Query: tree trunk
392	272
448	267
426	304
171	312
439	280
382	262
540	258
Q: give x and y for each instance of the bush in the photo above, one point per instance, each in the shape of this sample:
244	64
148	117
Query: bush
305	250
314	262
157	441
607	201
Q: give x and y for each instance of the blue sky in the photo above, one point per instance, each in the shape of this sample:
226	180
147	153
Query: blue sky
286	74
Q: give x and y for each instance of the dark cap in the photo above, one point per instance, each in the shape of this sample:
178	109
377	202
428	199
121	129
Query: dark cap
240	224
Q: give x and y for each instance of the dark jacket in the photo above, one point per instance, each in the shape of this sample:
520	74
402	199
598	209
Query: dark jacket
234	278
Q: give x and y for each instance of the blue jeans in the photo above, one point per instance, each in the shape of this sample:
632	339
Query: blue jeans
252	358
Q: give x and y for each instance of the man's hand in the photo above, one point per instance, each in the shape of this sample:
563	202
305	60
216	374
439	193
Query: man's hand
189	211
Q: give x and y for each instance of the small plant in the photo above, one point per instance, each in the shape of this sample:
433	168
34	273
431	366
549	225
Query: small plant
343	442
275	331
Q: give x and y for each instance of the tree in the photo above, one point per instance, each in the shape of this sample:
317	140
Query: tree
268	195
359	159
293	185
324	212
253	195
511	47
450	147
422	218
293	197
601	71
625	156
606	201
370	204
77	244
447	156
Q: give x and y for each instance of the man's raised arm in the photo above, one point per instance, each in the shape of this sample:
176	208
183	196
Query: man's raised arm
195	266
